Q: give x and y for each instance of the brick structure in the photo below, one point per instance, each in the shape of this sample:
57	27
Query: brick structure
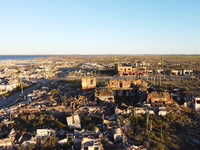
127	70
155	98
125	87
127	83
88	83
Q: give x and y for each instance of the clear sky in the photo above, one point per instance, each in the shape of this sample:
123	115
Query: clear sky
99	27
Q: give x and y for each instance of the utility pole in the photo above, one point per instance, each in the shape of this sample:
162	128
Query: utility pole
21	85
161	133
177	82
147	122
147	75
156	79
10	115
160	79
137	72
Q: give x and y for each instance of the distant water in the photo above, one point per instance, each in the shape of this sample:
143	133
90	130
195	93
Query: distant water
20	57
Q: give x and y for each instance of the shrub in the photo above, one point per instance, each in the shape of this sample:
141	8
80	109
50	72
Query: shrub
159	146
146	144
54	92
24	118
31	146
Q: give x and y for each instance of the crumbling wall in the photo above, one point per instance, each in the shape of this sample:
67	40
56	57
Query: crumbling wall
73	121
128	83
113	83
88	83
197	103
106	98
140	111
103	91
117	136
155	97
91	144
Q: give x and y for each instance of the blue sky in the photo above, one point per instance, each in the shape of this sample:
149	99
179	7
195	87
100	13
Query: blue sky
100	27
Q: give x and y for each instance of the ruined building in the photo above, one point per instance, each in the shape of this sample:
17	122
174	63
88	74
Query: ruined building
125	87
73	121
104	94
155	98
118	87
196	103
88	83
127	70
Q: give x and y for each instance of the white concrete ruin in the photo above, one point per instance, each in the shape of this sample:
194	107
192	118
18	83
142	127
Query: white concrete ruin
73	121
